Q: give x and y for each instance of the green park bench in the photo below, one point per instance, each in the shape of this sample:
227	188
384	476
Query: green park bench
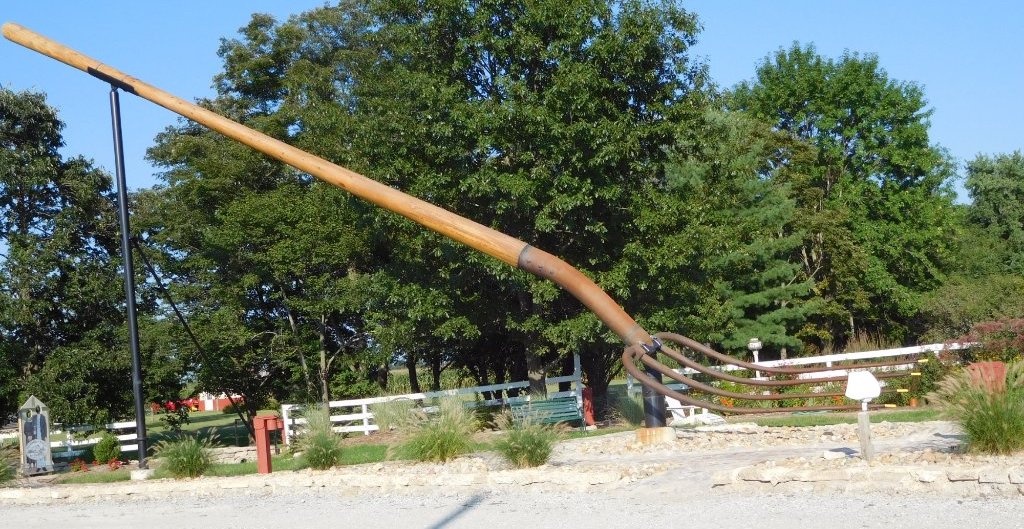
549	411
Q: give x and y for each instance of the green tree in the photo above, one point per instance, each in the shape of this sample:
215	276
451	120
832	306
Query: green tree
728	174
270	265
547	121
875	203
951	310
996	187
62	333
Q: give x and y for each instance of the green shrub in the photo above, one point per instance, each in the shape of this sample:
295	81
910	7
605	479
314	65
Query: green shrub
933	369
107	449
1000	340
526	444
444	435
175	420
319	444
993	421
187	457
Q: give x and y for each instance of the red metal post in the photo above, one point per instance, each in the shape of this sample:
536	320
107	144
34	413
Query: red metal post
588	406
262	424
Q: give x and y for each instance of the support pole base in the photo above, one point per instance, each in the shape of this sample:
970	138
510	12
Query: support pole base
653	436
142	474
867	448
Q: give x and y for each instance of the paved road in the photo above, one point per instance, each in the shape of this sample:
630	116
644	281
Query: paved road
606	511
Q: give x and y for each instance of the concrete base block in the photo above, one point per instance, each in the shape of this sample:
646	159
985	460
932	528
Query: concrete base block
142	474
650	436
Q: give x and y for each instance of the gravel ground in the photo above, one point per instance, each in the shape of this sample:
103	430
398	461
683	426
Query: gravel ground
674	491
582	510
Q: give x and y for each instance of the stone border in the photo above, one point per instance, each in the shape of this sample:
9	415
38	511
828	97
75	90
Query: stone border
461	476
958	480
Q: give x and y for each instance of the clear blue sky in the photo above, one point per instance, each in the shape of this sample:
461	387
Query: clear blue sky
965	55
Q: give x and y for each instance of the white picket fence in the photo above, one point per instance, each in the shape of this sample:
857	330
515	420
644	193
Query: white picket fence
73	446
827	361
357	417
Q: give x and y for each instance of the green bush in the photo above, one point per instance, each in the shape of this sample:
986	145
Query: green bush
1000	340
950	311
526	444
993	421
443	435
188	457
319	444
933	370
107	449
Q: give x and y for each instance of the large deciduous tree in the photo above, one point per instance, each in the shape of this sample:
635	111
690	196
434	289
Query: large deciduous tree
996	187
270	264
62	332
875	202
545	120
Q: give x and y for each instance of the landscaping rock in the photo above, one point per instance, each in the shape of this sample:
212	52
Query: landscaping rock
991	475
962	474
928	476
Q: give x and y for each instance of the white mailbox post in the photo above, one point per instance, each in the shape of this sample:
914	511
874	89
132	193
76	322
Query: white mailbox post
863	386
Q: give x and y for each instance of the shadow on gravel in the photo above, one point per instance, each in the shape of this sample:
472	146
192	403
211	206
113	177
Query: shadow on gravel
462	509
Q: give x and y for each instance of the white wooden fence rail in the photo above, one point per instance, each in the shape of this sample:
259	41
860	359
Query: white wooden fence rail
827	360
360	418
72	447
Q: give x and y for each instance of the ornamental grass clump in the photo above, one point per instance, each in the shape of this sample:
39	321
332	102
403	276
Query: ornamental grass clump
396	415
320	445
443	435
527	443
629	409
991	415
187	457
8	464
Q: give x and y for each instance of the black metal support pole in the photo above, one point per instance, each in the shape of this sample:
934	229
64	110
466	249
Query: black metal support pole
654	403
129	275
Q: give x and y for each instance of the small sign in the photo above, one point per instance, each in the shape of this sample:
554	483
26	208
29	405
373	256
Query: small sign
34	434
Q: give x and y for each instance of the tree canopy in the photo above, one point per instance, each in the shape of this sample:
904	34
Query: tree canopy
805	207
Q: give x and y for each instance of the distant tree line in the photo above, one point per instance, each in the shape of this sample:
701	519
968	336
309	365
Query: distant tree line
807	207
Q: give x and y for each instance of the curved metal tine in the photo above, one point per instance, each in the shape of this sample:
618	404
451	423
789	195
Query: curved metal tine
631	354
698	347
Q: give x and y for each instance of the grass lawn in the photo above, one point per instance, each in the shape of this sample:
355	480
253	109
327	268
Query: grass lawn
366	453
352	455
824	419
575	433
220	426
93	476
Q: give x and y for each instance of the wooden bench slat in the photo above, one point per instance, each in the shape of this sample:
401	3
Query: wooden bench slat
551	411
